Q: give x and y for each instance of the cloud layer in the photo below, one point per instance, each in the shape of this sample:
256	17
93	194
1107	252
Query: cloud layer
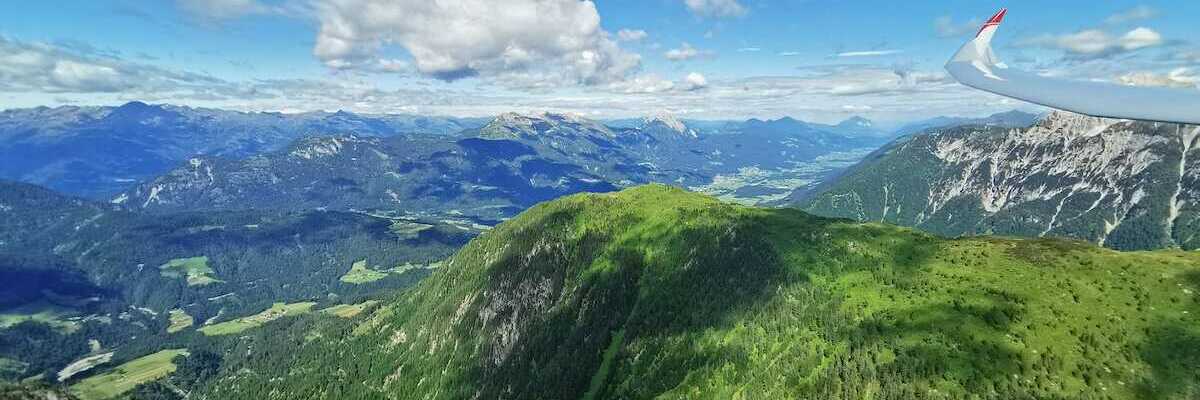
946	27
868	53
1138	13
555	55
715	8
1177	78
41	67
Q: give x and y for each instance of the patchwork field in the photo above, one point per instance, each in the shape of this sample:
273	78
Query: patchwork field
43	312
410	267
408	230
359	274
83	364
180	320
349	310
9	366
195	269
127	376
277	311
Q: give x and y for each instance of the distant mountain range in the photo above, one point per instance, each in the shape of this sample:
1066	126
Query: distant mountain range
1010	119
494	171
99	151
1125	185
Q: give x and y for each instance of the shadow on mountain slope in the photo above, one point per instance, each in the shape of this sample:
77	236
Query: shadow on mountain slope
1175	341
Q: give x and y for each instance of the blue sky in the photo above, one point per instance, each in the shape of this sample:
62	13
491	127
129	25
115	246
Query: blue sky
710	59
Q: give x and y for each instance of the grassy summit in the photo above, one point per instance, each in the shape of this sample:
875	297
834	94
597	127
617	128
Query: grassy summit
656	292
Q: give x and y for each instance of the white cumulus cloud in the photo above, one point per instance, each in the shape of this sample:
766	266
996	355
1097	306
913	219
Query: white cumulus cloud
1179	77
695	81
543	40
654	84
41	67
1098	43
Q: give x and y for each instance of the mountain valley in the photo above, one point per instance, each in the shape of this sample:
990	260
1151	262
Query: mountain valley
272	273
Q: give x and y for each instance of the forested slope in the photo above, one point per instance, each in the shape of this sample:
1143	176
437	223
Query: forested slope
80	278
655	292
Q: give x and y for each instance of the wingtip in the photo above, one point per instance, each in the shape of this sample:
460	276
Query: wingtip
994	21
999	17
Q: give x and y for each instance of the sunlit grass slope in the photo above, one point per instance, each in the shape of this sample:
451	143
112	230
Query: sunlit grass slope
127	376
277	311
654	292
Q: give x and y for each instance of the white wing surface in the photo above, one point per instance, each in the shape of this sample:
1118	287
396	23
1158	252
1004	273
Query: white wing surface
975	65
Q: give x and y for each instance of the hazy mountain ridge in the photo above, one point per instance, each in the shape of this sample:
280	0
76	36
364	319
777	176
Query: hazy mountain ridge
1008	119
98	151
480	178
1122	184
510	164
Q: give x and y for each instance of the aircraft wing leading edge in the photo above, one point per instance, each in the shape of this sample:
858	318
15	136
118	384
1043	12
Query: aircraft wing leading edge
975	65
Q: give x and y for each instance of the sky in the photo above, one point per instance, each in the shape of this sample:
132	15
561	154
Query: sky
817	60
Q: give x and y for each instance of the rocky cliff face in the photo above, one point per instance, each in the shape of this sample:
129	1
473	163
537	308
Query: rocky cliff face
1122	184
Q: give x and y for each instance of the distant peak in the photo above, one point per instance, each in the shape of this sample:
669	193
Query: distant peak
135	104
1058	116
510	118
666	119
670	122
1074	124
512	124
137	111
1010	113
857	121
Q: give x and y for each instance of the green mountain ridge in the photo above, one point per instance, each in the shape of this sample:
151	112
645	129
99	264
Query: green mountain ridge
653	292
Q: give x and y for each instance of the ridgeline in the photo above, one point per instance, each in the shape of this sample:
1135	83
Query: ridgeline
656	292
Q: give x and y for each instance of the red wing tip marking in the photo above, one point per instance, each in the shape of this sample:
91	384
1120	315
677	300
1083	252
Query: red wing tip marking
999	17
994	21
